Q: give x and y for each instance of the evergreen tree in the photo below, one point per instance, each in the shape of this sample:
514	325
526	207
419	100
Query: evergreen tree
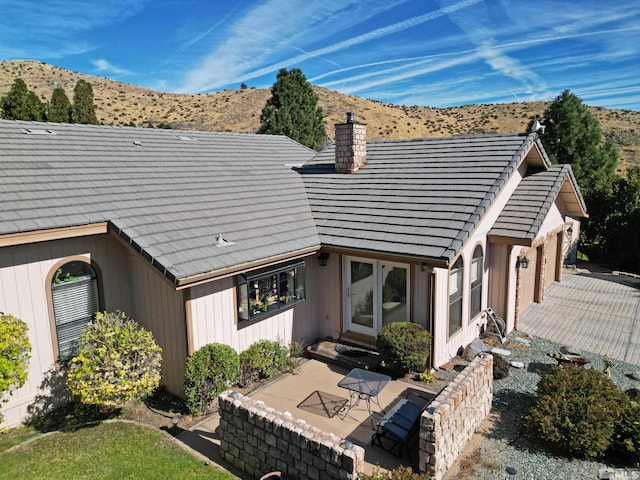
84	111
21	103
36	110
293	110
573	136
59	108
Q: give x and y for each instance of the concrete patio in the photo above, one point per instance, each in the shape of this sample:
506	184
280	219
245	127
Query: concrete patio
302	394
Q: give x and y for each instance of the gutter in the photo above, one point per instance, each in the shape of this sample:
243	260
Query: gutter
182	283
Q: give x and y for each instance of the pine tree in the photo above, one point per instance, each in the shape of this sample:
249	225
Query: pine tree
21	103
293	110
59	108
573	136
84	111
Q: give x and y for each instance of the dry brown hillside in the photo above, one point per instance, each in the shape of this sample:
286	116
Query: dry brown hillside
239	110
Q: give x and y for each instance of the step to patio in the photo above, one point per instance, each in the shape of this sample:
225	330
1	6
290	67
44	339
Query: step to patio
349	355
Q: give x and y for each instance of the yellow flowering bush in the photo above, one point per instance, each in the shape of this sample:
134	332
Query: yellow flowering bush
117	361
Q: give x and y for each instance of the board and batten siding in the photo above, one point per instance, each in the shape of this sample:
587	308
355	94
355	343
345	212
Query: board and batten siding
159	308
25	271
213	316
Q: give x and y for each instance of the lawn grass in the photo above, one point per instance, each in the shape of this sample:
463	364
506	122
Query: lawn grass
113	450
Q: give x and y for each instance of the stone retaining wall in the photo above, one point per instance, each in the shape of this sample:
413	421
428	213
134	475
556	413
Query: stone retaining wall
258	439
454	415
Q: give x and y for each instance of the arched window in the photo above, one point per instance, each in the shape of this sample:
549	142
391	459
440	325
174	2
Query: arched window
477	268
74	289
455	296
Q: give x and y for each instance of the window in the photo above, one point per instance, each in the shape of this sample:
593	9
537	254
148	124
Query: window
477	269
267	291
74	289
455	296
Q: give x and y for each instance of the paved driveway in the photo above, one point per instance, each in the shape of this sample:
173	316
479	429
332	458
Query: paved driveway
596	312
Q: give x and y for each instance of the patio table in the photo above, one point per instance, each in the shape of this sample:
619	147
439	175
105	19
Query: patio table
363	385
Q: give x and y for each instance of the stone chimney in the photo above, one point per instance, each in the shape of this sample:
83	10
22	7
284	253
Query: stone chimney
351	145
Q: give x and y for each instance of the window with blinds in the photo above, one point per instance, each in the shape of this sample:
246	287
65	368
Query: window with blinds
74	288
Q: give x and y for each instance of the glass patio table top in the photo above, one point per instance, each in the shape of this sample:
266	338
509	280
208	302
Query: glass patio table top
363	385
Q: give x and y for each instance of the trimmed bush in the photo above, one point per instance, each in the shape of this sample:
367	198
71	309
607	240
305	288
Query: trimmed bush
14	354
117	361
265	357
209	371
576	410
626	440
404	347
399	473
500	367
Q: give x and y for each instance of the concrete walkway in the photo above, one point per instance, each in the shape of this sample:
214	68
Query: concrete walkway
595	310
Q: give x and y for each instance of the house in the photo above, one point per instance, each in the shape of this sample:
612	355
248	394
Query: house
219	237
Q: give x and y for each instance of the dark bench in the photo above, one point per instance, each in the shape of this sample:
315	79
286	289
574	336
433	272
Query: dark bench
400	425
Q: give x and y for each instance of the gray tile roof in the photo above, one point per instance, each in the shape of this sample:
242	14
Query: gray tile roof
421	198
170	197
170	193
529	204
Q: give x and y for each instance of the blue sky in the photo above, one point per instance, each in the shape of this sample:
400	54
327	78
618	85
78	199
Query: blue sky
435	53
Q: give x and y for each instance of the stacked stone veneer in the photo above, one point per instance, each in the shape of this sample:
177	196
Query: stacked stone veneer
351	146
454	416
258	439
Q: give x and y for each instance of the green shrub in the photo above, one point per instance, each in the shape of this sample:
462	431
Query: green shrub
500	367
426	377
404	346
296	349
398	473
117	361
209	371
626	440
265	357
576	410
14	354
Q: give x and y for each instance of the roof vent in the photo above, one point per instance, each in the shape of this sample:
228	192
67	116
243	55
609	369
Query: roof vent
186	138
221	242
137	143
38	131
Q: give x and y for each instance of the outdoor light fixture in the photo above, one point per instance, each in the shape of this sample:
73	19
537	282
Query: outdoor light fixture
569	231
511	473
323	258
523	262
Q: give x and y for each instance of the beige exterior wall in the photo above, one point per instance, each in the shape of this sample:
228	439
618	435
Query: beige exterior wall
126	282
25	272
495	275
159	308
213	315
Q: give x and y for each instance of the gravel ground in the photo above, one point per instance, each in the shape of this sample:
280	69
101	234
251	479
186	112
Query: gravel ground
500	442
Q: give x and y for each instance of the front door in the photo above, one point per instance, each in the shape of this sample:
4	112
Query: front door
377	293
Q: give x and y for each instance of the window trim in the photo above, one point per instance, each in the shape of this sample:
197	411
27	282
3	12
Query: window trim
473	315
49	292
460	299
244	280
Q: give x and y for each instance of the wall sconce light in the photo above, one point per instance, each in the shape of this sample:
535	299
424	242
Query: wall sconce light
569	231
423	267
323	258
523	262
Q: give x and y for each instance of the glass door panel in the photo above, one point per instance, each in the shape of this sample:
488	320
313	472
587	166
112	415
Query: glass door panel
394	294
361	293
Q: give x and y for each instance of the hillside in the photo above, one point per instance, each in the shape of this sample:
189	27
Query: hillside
239	110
